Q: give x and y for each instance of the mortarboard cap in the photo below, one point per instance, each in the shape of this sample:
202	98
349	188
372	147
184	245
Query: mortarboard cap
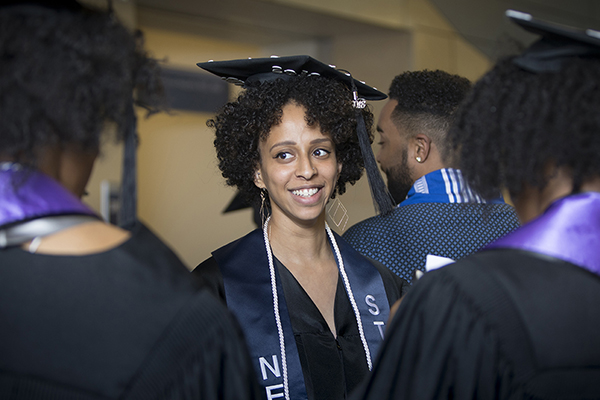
251	70
558	44
247	71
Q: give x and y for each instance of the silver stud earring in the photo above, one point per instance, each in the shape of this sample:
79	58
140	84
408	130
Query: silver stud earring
419	159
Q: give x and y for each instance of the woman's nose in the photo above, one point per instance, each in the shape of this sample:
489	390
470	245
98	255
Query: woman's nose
306	169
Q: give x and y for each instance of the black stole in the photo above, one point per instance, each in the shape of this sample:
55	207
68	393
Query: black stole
245	269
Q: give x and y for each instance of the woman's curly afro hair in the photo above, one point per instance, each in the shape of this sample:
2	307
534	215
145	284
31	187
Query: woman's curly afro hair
65	74
243	123
516	123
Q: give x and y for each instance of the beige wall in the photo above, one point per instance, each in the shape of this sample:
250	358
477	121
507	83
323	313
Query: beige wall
435	43
438	46
181	192
380	59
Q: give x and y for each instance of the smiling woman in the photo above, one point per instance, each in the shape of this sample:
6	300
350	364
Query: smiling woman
312	309
298	168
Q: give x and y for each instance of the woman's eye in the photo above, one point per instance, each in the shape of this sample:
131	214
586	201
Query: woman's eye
321	152
283	155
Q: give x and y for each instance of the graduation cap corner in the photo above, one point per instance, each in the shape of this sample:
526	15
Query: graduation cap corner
557	45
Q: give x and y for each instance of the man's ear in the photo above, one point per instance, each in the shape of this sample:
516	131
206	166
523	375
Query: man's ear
258	181
422	147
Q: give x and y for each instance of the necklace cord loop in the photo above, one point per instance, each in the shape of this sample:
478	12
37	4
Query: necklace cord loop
342	270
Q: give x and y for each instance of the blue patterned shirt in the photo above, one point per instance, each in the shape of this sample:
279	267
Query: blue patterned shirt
441	216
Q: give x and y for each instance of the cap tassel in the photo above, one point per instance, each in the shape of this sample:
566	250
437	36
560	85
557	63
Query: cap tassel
382	199
128	212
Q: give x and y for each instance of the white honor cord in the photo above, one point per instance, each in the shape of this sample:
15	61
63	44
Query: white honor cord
350	296
286	388
276	304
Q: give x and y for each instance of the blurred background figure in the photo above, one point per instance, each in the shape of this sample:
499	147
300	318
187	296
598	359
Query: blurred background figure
438	213
90	310
519	319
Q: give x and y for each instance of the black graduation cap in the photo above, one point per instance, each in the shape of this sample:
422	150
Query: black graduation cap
264	69
251	70
558	44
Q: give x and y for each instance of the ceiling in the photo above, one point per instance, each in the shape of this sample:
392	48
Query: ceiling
253	21
481	22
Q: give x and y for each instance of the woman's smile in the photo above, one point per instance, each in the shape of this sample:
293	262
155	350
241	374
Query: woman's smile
305	192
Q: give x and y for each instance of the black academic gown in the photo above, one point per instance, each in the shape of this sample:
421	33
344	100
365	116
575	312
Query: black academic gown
502	324
332	367
128	323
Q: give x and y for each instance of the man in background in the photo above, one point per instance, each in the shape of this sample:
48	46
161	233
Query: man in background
438	214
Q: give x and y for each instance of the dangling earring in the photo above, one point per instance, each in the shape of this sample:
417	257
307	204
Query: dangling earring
263	195
338	214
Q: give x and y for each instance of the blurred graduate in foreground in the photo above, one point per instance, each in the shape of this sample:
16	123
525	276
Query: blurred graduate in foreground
90	310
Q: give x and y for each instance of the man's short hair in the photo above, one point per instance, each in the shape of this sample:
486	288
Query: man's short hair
427	102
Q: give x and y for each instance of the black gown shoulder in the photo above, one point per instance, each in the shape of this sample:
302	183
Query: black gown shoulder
501	324
209	274
128	323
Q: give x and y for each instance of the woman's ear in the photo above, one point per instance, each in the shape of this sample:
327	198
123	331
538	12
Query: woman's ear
258	181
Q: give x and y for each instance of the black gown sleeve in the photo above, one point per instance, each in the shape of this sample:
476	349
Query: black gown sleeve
438	346
209	274
202	356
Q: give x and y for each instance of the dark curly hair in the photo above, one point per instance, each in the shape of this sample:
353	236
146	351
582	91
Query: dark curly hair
427	101
243	123
516	123
65	74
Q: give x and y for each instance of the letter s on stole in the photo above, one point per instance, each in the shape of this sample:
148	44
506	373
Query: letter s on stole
370	300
